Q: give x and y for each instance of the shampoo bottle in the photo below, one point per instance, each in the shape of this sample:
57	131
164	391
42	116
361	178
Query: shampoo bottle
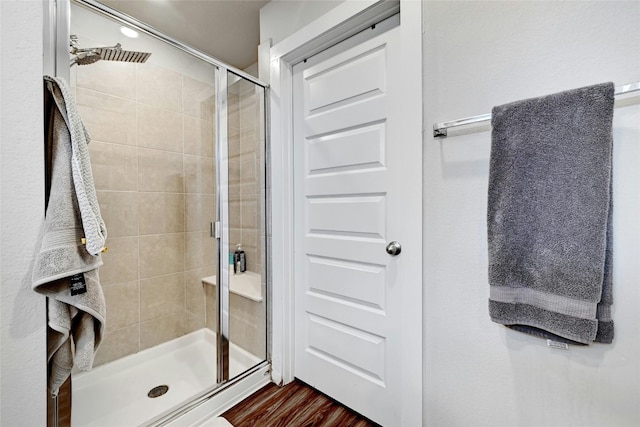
240	259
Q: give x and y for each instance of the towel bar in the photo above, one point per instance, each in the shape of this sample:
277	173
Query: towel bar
440	129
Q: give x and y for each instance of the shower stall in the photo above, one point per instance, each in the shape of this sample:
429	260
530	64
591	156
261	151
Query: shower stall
178	157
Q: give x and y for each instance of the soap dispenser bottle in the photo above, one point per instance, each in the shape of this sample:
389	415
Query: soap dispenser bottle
240	264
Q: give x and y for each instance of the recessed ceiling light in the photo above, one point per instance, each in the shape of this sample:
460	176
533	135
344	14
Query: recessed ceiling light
129	32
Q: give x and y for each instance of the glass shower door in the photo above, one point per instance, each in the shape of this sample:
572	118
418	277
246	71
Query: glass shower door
243	324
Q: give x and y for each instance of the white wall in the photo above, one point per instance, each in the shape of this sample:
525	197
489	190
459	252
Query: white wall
477	55
281	18
477	373
22	319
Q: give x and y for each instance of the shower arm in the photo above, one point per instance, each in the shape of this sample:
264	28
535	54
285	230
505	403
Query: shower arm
77	50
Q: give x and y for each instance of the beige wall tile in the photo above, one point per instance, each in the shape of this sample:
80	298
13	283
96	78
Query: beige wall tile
255	344
198	136
198	98
235	237
119	211
249	112
194	288
161	329
261	211
200	250
248	171
120	261
161	254
249	148
159	87
235	212
114	166
159	129
233	110
160	171
260	262
247	189
261	176
195	320
252	259
234	173
234	143
199	174
248	335
250	311
107	118
238	332
200	210
161	296
161	213
113	78
122	305
249	209
235	190
256	268
117	344
250	238
211	311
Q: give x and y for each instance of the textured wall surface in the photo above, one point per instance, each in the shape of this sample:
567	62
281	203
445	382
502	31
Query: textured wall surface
477	373
22	312
281	18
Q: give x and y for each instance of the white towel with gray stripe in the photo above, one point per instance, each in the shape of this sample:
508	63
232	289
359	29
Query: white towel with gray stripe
71	239
549	215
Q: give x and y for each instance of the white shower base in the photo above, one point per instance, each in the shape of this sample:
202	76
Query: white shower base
115	394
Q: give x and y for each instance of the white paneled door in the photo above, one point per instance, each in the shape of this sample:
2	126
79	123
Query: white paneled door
350	197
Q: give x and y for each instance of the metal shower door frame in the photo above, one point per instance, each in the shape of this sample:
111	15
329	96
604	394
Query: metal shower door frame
222	217
57	24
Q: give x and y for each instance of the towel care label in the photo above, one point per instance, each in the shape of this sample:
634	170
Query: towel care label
77	284
557	345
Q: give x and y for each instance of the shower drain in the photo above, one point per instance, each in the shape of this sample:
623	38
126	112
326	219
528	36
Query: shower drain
158	391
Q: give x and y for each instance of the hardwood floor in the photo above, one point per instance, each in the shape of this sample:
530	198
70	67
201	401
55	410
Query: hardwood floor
293	405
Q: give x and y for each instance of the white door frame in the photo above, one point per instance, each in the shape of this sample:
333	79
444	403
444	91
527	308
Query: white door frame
339	23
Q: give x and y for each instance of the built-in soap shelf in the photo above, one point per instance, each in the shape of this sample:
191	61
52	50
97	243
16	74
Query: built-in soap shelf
247	285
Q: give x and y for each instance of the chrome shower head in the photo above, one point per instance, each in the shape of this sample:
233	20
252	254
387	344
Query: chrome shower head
116	53
85	58
88	56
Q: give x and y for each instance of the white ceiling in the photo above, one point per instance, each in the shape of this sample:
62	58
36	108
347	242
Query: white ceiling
228	30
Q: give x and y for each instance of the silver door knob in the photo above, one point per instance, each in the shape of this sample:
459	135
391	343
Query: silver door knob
394	248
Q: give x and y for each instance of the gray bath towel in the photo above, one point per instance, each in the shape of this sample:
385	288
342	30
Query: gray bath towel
72	231
94	227
549	215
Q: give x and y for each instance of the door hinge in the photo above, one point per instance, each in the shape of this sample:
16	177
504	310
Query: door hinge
215	229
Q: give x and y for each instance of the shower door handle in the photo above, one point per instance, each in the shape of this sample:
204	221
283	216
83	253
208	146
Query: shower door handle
394	248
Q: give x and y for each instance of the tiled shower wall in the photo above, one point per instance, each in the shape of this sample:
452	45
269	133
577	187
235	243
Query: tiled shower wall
152	154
